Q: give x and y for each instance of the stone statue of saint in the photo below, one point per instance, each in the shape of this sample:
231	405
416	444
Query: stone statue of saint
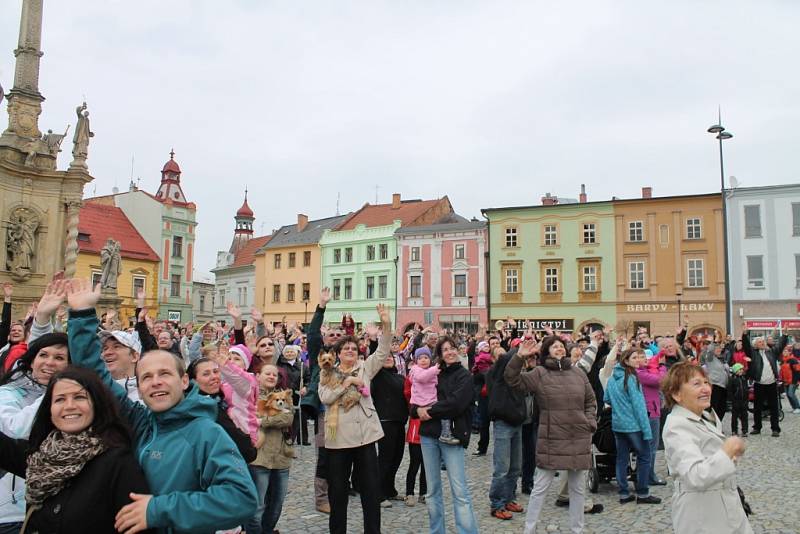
21	242
53	141
80	141
111	264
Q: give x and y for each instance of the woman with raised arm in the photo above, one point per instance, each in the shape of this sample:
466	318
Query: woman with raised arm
350	444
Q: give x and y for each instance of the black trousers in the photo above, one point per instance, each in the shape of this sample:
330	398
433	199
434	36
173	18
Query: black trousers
415	464
719	401
483	411
766	393
390	455
340	464
529	433
739	414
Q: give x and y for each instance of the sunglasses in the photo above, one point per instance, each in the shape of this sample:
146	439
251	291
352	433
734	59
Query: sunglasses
266	345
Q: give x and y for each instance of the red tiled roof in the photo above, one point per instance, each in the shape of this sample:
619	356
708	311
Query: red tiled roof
247	254
99	222
383	214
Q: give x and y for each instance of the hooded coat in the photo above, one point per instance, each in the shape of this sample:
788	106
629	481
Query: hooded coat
628	409
199	480
567	411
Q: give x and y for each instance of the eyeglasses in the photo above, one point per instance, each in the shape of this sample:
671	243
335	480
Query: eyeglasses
266	345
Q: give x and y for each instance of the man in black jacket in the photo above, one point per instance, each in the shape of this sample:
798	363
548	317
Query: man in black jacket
507	410
390	403
764	371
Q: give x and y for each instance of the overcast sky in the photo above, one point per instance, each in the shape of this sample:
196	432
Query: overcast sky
492	103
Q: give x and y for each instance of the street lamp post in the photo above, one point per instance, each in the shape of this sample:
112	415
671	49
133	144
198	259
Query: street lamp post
723	134
305	301
679	307
469	323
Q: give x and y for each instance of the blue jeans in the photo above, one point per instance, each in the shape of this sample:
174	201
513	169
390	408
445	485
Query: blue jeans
791	394
434	452
655	429
271	486
507	460
10	528
628	442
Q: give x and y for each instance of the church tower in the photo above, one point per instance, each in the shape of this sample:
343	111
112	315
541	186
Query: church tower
170	188
244	227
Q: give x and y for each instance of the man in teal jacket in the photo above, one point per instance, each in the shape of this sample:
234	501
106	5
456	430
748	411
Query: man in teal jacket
199	480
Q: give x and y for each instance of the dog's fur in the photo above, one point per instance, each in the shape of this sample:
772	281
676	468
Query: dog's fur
330	376
275	403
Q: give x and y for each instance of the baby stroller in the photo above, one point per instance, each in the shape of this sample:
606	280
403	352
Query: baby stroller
604	453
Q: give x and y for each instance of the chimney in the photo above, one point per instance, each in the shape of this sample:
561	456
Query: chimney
396	201
302	222
549	200
583	194
647	192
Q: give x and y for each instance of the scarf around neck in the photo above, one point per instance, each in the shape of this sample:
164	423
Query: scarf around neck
59	459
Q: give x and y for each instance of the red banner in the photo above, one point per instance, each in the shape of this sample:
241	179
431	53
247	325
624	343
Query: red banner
790	325
761	325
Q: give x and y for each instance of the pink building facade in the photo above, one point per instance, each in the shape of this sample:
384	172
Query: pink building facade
441	275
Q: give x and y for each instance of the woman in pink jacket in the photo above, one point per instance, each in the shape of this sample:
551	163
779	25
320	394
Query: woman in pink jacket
650	377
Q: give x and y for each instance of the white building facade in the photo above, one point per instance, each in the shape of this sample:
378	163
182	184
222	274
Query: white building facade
764	258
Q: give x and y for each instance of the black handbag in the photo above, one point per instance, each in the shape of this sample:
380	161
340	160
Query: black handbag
745	504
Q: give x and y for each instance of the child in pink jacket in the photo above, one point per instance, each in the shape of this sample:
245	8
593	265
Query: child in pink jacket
244	390
424	378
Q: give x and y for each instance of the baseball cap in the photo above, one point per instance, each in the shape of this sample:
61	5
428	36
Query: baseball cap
129	340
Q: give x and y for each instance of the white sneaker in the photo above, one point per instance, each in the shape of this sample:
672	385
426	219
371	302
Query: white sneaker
796	410
386	504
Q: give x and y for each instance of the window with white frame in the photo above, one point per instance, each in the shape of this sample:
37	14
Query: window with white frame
589	234
337	255
511	236
512	280
370	287
241	296
693	228
348	289
635	231
550	235
222	296
96	277
460	285
636	275
276	292
383	286
370	252
797	270
289	292
755	272
337	288
752	221
292	259
383	251
138	285
348	255
415	287
796	218
590	278
175	285
202	302
414	253
459	251
551	279
695	273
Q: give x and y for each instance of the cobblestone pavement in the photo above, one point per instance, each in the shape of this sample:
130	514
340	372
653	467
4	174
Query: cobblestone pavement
769	474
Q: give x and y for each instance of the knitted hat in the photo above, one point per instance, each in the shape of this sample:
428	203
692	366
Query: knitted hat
244	352
422	351
736	367
291	348
483	347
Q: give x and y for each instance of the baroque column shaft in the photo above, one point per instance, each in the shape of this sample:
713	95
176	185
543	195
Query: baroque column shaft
71	250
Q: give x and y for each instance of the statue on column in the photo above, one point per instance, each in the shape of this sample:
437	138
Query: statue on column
80	141
21	243
111	264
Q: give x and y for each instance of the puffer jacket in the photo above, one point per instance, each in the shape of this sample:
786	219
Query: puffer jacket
567	411
360	424
628	409
18	406
276	452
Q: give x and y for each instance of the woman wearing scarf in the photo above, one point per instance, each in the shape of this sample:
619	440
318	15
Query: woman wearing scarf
78	458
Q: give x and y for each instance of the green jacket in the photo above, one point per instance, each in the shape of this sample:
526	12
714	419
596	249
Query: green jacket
199	480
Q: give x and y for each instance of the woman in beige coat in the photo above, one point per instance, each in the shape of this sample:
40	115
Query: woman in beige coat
700	458
352	446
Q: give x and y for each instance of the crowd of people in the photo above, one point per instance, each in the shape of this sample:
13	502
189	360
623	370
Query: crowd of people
159	427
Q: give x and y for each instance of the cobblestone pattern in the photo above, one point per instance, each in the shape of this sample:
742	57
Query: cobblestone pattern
769	474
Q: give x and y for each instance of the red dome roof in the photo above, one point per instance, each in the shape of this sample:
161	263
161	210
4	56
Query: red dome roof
171	165
245	210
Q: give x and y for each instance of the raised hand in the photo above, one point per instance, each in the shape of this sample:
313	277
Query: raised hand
256	314
53	297
371	330
81	295
140	294
142	318
8	291
234	311
61	313
386	318
324	297
527	348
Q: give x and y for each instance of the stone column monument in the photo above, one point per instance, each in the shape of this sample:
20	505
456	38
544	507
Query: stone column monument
38	203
